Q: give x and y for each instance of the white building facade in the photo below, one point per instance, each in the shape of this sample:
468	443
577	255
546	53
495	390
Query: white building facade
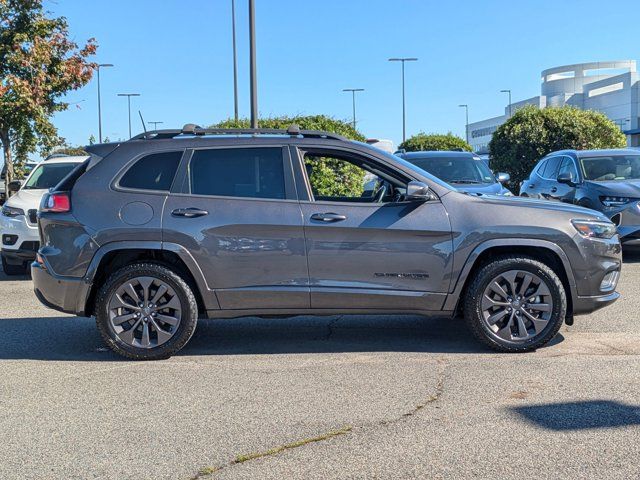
612	88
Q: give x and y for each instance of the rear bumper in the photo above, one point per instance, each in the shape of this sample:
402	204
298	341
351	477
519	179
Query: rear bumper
585	305
65	294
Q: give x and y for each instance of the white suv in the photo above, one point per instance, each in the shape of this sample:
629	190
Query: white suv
19	222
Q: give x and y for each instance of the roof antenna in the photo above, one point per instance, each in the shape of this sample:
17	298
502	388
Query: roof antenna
142	120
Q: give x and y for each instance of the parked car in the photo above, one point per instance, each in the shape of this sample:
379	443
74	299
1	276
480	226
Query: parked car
464	170
150	234
604	180
18	222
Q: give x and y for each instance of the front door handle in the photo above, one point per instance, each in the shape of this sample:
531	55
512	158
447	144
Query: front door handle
554	190
531	185
328	217
189	212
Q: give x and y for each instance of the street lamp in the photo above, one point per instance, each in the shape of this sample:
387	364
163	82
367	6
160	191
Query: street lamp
235	61
129	95
353	94
252	65
466	129
155	124
509	92
98	66
404	121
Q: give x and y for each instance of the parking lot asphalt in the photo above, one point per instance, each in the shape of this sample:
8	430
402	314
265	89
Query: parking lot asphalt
311	397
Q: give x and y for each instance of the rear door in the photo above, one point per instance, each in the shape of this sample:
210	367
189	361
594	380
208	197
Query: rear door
239	217
366	247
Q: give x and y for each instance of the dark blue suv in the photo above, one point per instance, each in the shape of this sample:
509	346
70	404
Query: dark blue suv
603	180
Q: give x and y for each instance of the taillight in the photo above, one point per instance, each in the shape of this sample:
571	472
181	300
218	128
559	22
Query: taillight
57	202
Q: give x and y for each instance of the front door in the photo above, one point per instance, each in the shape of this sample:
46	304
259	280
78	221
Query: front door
563	192
240	219
367	247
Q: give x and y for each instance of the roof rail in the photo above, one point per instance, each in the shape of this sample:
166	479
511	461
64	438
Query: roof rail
191	129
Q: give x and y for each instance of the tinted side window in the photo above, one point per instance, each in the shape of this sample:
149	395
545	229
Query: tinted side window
152	172
551	169
568	165
238	172
539	170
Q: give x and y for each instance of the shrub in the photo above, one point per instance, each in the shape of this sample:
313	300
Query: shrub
423	142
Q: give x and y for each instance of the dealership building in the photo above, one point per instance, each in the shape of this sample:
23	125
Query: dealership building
612	88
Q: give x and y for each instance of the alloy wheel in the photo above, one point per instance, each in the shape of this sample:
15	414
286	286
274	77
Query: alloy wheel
516	306
144	312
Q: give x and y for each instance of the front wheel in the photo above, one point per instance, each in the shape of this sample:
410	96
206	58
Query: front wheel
515	304
146	311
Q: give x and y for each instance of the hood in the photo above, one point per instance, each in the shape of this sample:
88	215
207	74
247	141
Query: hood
616	188
26	199
526	202
485	189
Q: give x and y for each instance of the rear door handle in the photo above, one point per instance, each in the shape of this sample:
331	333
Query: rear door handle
189	212
328	217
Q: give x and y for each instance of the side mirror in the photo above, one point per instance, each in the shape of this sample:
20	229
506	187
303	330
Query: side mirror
15	185
566	177
418	191
503	177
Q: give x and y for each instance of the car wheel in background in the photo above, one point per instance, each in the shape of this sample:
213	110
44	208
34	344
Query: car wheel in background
515	304
145	311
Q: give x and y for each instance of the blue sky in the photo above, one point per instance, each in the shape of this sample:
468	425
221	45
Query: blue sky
177	54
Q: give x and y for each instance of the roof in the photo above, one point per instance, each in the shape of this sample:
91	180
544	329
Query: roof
438	154
589	153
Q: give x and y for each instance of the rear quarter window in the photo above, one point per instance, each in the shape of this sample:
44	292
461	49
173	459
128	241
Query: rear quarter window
152	172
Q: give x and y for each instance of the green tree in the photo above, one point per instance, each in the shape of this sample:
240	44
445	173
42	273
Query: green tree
531	133
329	176
39	64
434	141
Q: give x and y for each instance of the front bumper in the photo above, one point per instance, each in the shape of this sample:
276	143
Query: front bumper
65	294
585	305
26	253
25	239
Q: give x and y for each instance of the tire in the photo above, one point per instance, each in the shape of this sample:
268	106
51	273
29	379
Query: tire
542	310
176	304
10	269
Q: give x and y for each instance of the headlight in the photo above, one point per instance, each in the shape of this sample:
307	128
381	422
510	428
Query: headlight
11	211
615	201
595	228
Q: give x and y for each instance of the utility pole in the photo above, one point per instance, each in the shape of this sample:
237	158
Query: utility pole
129	95
98	67
509	92
404	116
235	60
353	93
252	64
466	129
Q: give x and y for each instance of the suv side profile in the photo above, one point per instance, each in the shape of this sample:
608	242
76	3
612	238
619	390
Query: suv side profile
604	180
204	223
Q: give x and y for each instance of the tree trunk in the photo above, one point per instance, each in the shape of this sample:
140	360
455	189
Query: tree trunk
8	161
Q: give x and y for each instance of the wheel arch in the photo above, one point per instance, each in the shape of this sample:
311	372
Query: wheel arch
112	256
541	250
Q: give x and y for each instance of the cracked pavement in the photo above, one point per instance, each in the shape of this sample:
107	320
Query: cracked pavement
419	397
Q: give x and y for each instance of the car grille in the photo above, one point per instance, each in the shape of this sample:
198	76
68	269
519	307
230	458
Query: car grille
33	216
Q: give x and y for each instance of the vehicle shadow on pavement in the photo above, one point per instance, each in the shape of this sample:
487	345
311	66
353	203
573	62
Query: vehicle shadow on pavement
77	339
581	415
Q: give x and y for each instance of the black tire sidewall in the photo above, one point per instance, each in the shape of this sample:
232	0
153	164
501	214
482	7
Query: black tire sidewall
188	319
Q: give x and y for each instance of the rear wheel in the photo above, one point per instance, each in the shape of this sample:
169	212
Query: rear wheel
145	311
11	269
515	304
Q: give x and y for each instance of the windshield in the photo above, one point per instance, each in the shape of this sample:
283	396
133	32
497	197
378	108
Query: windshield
611	167
48	175
456	170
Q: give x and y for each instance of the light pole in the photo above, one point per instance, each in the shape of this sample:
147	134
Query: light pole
353	93
404	120
252	64
466	128
98	66
509	92
235	61
155	124
129	95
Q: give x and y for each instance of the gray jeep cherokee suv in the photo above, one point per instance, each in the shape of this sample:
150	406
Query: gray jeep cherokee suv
151	234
